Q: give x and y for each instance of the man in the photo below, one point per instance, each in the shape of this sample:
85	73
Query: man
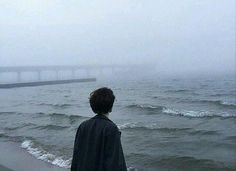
97	144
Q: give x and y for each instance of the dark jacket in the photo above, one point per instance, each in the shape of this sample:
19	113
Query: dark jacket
98	147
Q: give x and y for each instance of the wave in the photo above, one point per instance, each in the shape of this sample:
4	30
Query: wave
231	138
13	138
181	162
226	103
19	127
55	105
221	103
155	126
221	94
204	132
43	155
186	113
51	127
8	113
196	114
189	162
134	169
149	126
217	102
179	91
61	115
137	125
145	107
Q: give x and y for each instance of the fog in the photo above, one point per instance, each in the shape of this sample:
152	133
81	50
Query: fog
175	36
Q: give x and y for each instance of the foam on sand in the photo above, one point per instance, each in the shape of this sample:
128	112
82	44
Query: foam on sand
44	155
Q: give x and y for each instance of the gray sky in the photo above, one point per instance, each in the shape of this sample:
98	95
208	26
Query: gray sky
186	35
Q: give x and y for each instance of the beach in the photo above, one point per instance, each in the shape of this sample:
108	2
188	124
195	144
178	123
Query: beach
2	168
13	158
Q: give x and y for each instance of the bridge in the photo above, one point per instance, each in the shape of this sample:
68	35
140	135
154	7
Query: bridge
39	69
19	70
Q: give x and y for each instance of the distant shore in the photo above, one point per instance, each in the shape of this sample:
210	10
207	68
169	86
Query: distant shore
13	158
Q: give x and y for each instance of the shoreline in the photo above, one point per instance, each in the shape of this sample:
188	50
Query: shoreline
3	168
14	158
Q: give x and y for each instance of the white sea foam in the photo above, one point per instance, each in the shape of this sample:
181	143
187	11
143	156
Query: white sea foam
196	114
228	103
148	106
132	169
144	106
187	113
2	133
44	155
138	125
171	111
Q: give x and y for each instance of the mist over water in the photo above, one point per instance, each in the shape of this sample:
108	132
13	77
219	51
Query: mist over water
170	64
176	37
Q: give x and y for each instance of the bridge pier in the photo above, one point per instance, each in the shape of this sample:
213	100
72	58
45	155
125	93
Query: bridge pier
73	73
18	76
87	73
112	70
100	71
39	75
57	75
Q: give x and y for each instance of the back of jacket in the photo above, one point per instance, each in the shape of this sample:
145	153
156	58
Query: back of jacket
98	147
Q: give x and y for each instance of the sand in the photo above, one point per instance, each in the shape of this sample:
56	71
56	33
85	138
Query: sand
14	158
3	168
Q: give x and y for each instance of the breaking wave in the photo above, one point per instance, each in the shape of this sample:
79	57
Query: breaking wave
196	114
43	155
13	138
228	103
220	103
137	125
145	107
55	105
155	126
52	127
186	113
150	126
61	115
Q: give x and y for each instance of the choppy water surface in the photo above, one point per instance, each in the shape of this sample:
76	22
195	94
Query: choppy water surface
166	124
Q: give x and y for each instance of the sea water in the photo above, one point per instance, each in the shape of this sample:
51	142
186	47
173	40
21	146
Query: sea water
166	123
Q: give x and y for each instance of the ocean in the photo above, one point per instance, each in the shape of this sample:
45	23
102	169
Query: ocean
166	123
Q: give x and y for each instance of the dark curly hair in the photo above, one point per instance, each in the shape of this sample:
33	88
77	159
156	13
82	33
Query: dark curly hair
101	100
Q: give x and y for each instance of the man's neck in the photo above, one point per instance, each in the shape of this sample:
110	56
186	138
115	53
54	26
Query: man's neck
107	115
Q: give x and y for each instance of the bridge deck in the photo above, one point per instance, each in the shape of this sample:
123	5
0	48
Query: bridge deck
42	83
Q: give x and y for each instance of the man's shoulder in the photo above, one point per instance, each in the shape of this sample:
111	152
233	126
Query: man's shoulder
102	120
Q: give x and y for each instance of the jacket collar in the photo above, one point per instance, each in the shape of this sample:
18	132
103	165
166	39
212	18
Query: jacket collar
101	117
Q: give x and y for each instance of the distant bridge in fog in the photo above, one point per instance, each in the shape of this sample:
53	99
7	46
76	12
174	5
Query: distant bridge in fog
73	68
19	70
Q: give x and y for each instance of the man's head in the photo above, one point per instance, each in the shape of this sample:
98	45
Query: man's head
101	100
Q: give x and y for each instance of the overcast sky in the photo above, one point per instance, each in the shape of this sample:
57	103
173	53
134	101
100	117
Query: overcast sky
186	35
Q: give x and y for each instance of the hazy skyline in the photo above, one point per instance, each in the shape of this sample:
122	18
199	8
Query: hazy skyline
177	36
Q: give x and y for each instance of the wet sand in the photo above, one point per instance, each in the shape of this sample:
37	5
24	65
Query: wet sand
3	168
13	158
